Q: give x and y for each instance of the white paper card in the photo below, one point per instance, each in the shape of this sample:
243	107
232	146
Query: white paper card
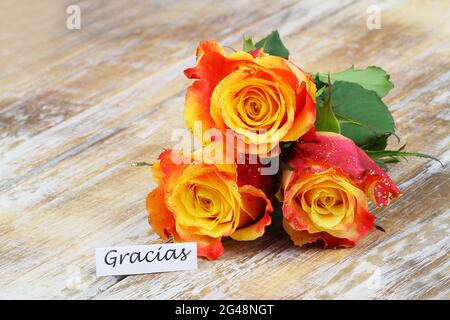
114	261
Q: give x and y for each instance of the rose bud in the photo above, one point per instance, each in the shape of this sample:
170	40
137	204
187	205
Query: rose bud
326	188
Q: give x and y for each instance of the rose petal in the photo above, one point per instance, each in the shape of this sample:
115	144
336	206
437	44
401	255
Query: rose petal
208	247
360	222
159	216
301	238
250	174
212	66
256	53
305	116
290	72
255	209
334	150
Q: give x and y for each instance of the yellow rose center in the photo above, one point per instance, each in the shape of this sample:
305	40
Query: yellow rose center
326	207
255	103
329	200
207	203
203	201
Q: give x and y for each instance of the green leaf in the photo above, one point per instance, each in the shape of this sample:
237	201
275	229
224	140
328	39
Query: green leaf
326	119
319	84
389	156
362	115
248	44
383	157
378	144
391	160
320	91
286	145
273	45
382	164
372	78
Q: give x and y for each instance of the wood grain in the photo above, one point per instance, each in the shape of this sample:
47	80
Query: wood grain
76	107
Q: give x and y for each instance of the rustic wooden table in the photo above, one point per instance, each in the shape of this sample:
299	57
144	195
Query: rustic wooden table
78	106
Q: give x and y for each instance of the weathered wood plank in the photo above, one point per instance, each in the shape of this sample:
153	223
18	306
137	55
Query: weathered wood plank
413	106
123	60
403	263
148	88
75	191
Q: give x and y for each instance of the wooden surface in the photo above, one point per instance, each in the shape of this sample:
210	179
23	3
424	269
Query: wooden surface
78	106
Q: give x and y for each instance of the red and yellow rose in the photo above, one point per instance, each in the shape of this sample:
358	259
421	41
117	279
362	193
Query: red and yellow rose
253	103
263	99
326	189
202	201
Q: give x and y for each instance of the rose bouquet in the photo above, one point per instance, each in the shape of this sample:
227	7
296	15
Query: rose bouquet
275	136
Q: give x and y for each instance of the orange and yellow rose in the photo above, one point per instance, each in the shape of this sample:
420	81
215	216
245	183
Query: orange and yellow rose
326	189
263	99
202	202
